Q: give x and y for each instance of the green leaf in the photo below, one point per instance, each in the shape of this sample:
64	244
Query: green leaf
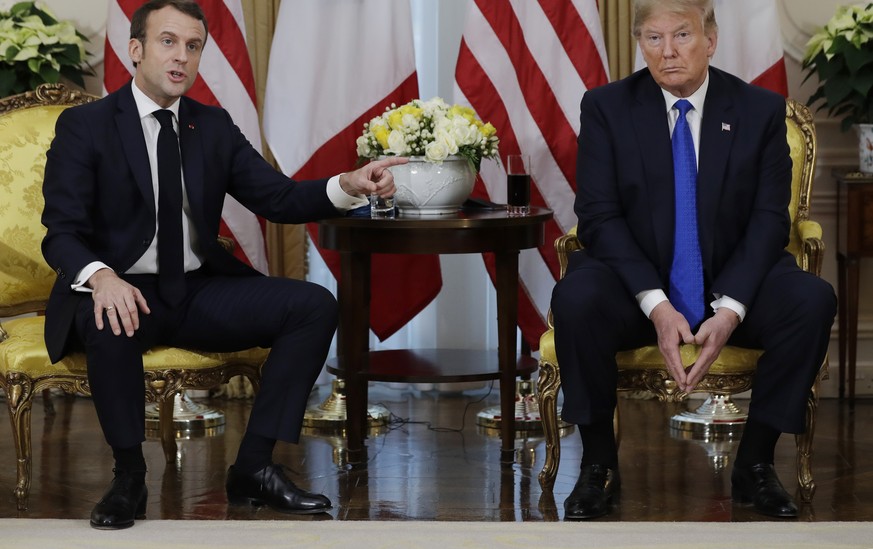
837	89
863	82
49	74
856	59
7	80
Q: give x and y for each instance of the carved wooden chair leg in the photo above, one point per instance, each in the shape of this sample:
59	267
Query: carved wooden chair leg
548	383
804	448
168	432
19	400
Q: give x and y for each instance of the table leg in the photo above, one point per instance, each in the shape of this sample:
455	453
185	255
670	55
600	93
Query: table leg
506	264
852	287
841	321
353	346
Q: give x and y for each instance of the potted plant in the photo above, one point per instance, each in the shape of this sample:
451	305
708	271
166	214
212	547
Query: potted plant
445	145
36	48
841	55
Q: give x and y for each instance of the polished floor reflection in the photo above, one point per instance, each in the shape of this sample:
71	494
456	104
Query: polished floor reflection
435	463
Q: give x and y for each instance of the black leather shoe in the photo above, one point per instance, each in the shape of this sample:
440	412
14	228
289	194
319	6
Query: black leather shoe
121	504
758	485
271	487
595	490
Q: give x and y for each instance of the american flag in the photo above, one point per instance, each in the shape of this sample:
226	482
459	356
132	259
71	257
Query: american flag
524	67
226	80
334	65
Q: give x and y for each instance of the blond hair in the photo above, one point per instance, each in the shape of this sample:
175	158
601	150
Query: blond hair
643	9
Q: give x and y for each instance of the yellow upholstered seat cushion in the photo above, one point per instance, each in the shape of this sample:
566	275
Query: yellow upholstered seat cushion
732	360
25	352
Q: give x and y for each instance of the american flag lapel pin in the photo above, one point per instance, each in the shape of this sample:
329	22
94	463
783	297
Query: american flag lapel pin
191	126
725	127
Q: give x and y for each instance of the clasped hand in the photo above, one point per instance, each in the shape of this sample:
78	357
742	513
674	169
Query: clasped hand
673	330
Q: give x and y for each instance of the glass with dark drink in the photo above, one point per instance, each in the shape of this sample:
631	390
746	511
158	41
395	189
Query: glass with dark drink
517	184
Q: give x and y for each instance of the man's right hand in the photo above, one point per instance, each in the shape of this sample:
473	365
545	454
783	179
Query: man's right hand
673	330
121	301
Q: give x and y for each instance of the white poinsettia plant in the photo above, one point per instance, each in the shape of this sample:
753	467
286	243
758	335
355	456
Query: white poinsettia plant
841	55
37	48
432	129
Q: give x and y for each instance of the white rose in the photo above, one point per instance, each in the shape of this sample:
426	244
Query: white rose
397	143
447	139
464	133
363	146
436	151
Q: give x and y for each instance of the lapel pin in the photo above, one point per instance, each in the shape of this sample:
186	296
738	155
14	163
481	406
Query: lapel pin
191	126
725	127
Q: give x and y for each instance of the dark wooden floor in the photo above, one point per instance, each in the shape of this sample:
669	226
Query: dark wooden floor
439	465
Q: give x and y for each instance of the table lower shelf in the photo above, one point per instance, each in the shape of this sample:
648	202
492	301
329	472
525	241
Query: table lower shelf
434	365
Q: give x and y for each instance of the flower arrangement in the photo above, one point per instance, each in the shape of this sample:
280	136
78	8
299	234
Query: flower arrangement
431	129
841	54
36	48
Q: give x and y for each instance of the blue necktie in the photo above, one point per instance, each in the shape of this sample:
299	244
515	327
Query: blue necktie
686	272
171	269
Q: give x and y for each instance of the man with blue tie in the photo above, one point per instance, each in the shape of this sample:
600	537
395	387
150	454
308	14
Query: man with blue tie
683	184
134	188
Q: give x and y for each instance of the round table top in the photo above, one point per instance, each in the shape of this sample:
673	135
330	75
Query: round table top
466	231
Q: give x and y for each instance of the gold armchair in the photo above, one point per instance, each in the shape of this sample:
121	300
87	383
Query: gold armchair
732	373
27	123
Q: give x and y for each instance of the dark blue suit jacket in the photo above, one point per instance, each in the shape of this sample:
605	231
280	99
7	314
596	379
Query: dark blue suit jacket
625	198
99	198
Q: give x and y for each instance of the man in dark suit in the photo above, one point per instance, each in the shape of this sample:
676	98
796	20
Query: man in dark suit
132	274
630	285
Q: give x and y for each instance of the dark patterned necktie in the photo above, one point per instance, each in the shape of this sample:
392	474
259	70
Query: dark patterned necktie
686	272
171	269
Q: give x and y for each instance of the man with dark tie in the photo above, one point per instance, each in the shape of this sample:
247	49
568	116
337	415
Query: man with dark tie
683	184
134	187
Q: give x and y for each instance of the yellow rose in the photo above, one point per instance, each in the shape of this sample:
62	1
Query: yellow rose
381	134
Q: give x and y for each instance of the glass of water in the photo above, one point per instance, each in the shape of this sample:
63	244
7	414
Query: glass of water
381	207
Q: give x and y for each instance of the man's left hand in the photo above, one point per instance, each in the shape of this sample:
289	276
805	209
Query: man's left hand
712	336
374	178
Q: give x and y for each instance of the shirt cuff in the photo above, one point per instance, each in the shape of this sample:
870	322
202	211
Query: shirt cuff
649	299
729	303
78	284
340	199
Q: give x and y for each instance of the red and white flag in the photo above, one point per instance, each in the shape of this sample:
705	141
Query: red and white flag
524	66
334	65
225	80
749	43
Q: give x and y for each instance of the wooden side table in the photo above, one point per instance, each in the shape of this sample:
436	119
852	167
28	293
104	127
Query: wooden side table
357	238
854	241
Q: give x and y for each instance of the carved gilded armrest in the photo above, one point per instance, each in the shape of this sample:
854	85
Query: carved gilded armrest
812	253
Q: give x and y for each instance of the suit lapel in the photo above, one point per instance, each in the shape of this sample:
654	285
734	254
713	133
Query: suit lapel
653	138
716	138
133	142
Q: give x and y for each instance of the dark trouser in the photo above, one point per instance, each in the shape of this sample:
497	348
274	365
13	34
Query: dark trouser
296	319
595	317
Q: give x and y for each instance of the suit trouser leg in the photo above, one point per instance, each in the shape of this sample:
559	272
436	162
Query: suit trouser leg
791	320
296	319
594	318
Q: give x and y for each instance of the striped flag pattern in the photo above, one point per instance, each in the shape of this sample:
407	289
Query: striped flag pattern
225	80
524	67
335	64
